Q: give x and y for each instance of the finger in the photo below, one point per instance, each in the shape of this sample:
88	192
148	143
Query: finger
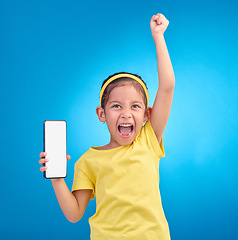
43	154
160	15
42	169
158	21
163	18
43	160
157	18
153	22
68	157
154	18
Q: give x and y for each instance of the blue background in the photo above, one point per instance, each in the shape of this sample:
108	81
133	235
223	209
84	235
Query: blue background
54	56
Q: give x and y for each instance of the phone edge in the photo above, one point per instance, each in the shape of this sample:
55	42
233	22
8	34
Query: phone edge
44	173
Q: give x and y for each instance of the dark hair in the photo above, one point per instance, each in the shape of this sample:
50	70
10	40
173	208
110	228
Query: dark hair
114	84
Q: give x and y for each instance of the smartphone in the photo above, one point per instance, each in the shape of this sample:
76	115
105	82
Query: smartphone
56	149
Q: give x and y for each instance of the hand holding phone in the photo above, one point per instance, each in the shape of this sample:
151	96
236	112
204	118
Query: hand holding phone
43	160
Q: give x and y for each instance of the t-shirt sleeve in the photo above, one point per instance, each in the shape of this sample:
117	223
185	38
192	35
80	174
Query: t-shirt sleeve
151	140
82	178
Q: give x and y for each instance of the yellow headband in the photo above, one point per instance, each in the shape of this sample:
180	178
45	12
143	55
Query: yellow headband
121	76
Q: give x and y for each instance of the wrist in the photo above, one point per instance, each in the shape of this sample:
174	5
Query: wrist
158	36
57	180
159	40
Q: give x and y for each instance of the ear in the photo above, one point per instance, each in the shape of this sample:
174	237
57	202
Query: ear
147	113
101	114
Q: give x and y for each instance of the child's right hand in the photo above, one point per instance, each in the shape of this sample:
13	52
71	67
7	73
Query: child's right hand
158	24
44	160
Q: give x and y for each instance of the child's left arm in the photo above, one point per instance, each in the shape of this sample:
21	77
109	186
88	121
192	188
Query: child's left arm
163	101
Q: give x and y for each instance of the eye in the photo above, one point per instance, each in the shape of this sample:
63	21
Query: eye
116	106
135	106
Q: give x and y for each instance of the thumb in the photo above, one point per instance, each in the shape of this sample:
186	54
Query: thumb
153	21
154	17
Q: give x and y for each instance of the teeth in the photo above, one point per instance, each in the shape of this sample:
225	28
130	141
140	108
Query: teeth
126	125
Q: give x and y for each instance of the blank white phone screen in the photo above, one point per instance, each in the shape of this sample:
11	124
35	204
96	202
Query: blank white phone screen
55	147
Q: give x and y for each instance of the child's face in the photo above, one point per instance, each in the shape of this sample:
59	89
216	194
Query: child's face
124	113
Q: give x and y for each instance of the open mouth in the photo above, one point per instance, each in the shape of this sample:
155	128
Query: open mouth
125	130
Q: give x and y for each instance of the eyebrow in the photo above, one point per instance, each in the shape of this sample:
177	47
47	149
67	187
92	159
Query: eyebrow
113	102
134	102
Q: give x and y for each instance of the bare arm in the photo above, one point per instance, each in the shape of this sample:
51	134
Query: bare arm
73	204
163	101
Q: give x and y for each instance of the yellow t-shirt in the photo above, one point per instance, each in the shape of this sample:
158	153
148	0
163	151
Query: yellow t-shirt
125	181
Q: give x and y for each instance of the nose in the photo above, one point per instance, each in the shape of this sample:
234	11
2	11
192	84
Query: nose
126	114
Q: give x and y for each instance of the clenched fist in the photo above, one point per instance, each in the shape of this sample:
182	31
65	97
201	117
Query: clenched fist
158	24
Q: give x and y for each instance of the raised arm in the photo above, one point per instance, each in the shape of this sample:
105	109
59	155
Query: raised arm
163	101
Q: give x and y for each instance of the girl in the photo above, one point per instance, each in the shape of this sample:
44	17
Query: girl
123	175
